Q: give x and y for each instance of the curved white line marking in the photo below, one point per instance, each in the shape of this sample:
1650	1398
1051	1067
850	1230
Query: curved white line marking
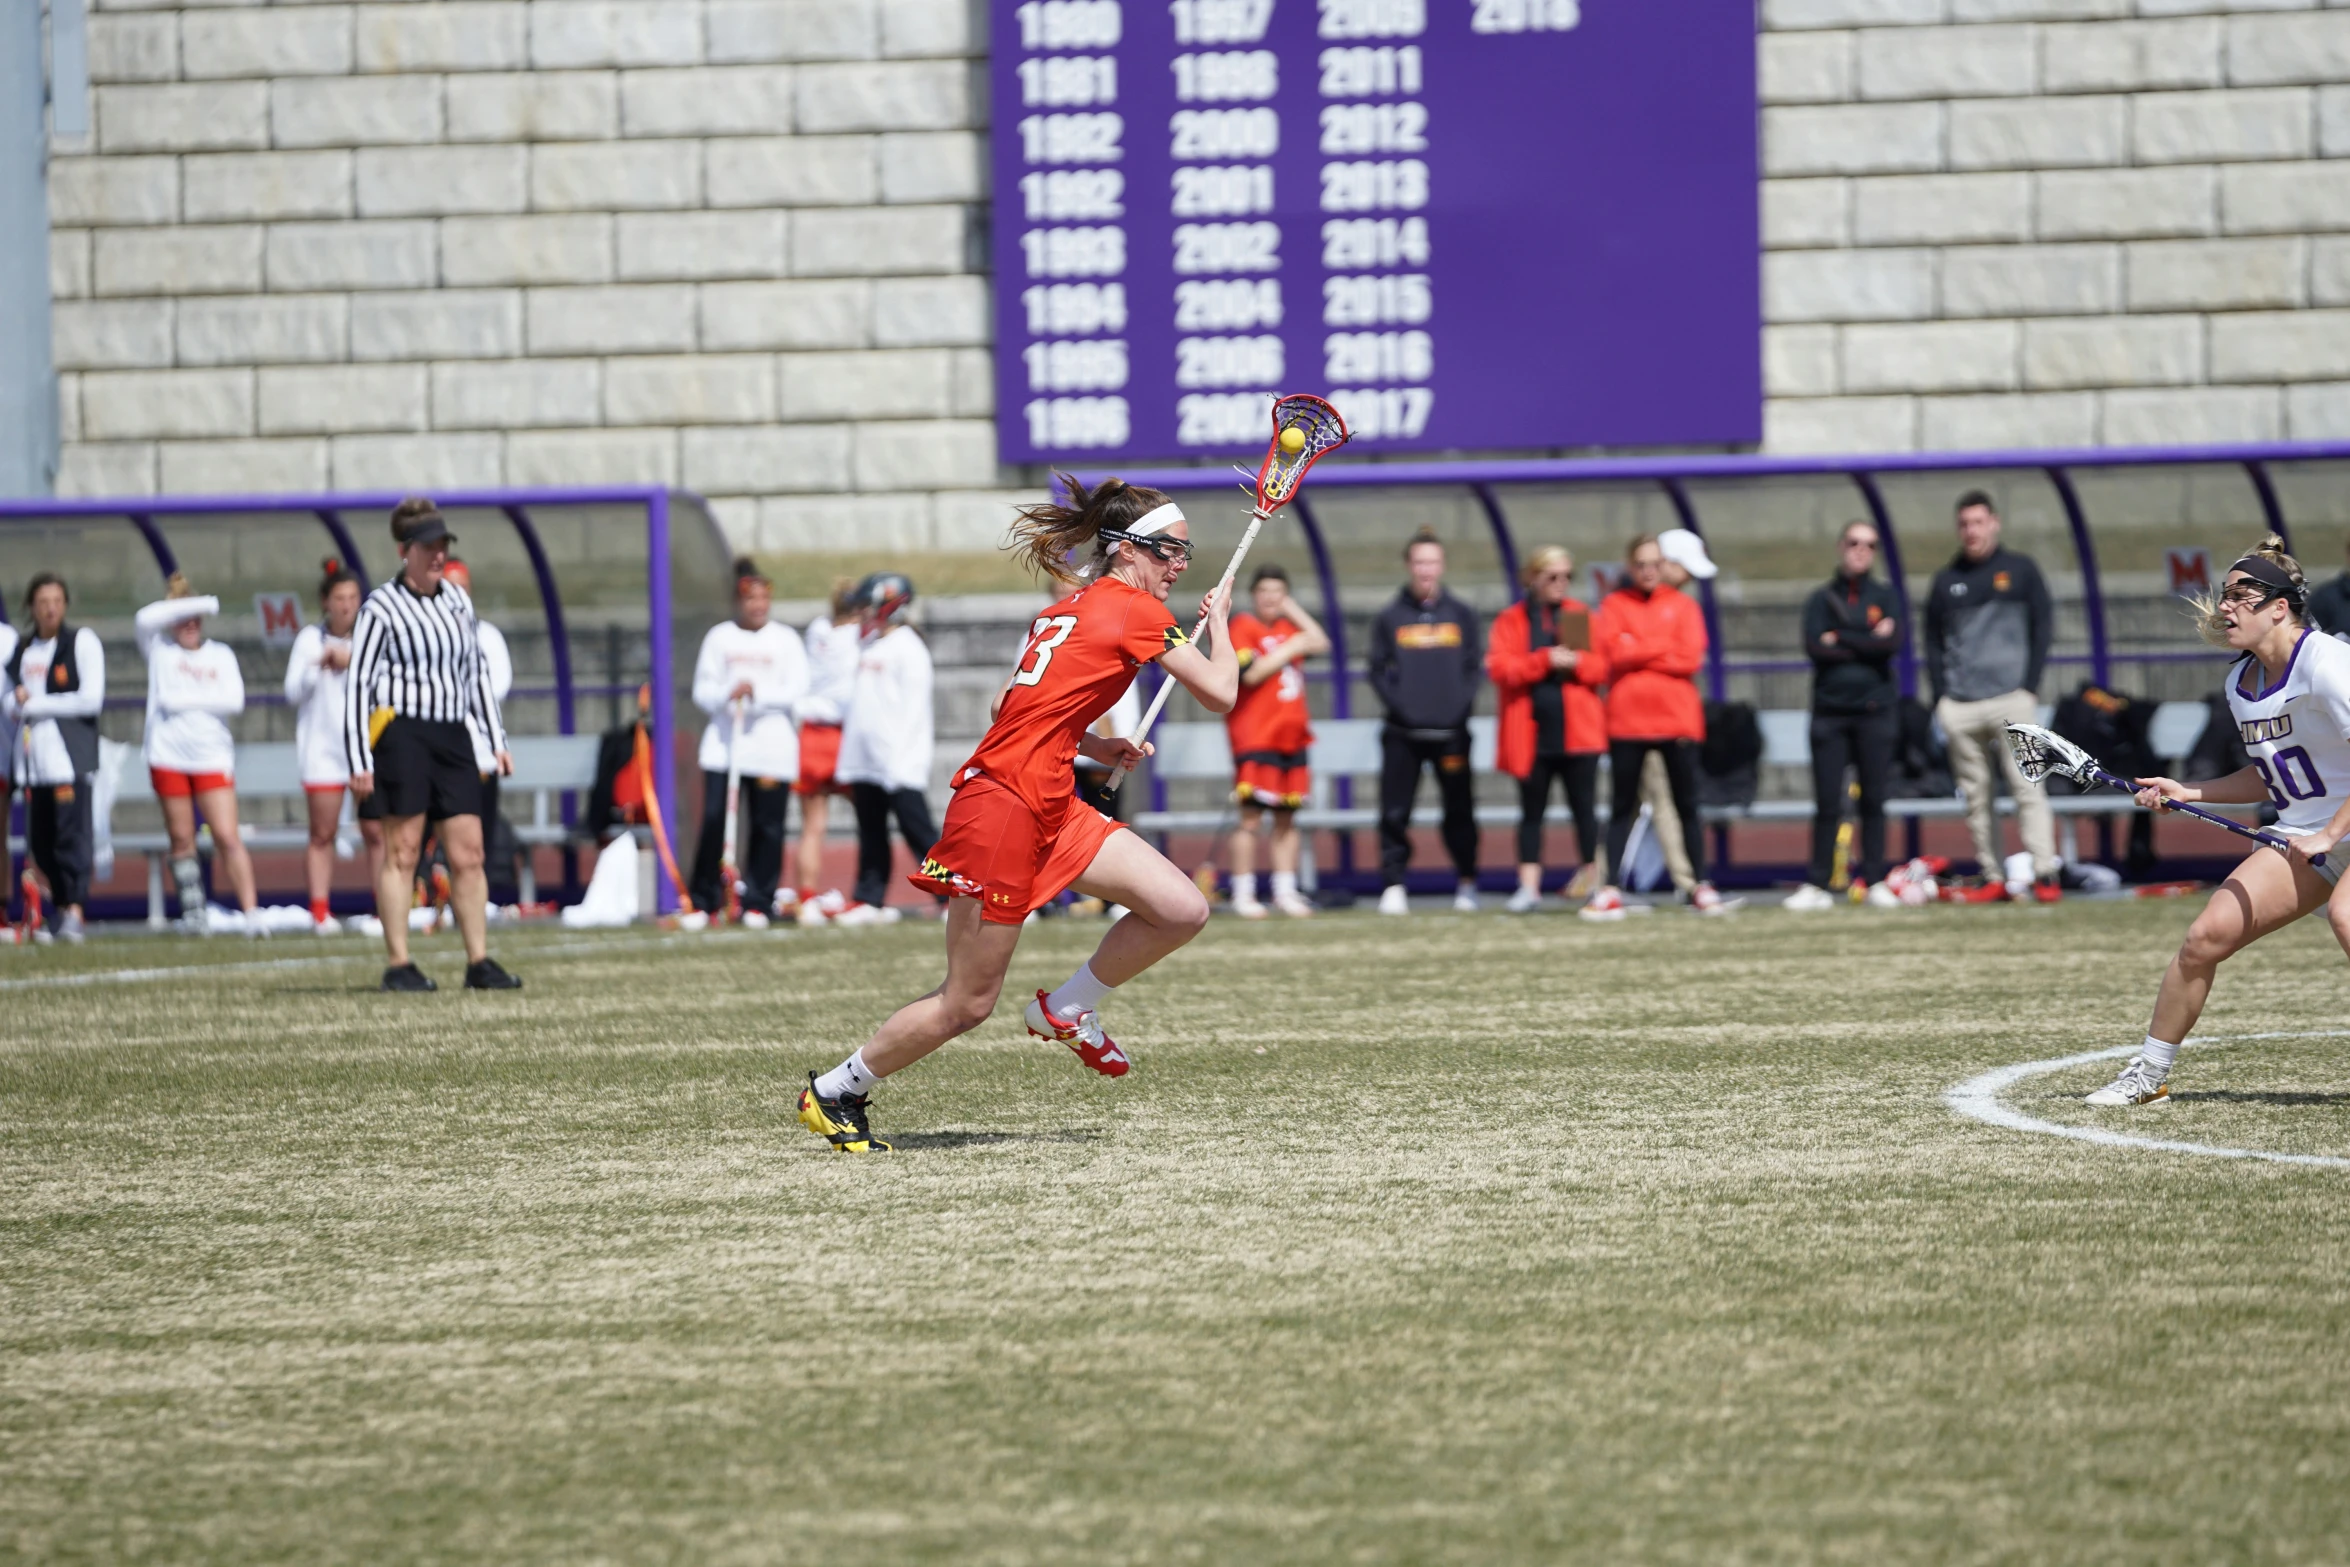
1978	1099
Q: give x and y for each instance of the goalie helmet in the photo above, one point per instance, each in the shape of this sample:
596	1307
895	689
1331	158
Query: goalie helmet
886	593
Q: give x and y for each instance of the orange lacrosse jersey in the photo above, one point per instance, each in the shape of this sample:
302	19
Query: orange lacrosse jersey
1271	715
1081	656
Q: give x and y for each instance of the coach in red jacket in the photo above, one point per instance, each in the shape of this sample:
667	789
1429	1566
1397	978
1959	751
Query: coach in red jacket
1542	661
1653	638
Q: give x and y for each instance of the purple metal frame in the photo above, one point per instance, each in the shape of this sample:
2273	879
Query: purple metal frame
142	511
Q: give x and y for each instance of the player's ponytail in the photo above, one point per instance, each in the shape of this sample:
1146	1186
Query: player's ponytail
1052	534
2282	575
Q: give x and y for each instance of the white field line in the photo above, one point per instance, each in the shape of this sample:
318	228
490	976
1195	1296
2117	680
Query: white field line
142	976
1978	1098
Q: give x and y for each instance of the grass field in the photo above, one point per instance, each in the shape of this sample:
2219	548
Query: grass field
1449	1240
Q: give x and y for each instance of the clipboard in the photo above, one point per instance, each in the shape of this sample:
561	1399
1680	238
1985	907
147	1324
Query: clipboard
1574	627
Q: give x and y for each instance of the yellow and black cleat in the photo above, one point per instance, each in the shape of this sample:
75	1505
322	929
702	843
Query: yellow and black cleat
841	1122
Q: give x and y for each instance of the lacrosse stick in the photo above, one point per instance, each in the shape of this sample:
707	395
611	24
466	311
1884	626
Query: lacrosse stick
1315	428
2039	752
734	793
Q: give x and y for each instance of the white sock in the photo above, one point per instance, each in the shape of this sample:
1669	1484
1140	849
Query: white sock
1083	991
852	1078
1244	886
2158	1055
1285	884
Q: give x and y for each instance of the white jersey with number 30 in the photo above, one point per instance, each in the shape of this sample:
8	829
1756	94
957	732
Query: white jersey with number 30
2297	732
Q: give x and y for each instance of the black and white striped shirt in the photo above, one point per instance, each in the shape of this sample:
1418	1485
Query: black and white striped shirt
420	657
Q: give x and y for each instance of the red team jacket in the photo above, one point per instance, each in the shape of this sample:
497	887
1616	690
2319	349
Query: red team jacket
1516	667
1654	647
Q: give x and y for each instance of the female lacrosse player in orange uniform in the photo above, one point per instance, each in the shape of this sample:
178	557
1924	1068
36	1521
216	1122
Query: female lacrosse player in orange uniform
1016	834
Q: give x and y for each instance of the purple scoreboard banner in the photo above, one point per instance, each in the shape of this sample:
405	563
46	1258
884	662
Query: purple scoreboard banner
1479	224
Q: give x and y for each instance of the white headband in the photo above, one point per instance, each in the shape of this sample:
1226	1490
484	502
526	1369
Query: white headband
1165	516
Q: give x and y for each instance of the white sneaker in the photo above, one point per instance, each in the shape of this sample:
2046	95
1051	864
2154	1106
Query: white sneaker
1606	904
866	914
330	926
787	902
1524	901
1248	908
1705	900
1395	901
1294	904
1464	900
754	920
1882	896
69	929
2138	1084
368	925
1809	899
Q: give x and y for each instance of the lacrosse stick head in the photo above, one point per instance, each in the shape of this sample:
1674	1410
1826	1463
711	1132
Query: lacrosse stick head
1319	430
2039	752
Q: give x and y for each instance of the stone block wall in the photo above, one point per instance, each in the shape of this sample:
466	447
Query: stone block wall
1993	223
738	245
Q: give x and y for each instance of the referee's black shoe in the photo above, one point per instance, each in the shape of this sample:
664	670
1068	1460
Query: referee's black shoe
486	975
407	976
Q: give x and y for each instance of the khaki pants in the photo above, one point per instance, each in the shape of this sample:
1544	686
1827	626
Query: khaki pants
1656	792
1976	732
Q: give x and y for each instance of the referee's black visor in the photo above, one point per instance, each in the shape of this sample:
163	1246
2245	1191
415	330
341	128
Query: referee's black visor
431	528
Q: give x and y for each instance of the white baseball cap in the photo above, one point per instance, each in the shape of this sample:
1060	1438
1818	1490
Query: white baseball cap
1687	551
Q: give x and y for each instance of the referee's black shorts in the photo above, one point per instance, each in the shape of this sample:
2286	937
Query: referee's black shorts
425	768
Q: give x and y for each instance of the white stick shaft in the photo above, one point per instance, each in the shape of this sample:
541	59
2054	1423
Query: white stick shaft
734	777
1256	521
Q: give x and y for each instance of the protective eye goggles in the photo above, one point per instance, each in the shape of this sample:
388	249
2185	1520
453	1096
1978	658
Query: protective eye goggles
1162	549
2251	595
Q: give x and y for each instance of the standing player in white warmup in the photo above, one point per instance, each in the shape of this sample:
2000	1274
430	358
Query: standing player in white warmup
1016	834
193	688
2290	697
751	673
317	671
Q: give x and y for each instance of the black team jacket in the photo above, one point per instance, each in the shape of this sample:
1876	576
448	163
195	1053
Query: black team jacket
1853	675
1988	626
1426	660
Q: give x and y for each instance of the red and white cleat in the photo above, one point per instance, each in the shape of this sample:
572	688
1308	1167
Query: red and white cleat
1082	1034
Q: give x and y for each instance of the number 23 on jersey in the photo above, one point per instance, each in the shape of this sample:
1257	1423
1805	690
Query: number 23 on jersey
1049	632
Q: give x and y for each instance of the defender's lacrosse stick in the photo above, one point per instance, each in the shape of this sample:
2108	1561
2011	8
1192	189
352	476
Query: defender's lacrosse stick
1304	428
734	794
2039	752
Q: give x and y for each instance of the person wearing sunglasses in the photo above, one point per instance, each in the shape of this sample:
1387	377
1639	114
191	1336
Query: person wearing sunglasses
1989	623
1850	633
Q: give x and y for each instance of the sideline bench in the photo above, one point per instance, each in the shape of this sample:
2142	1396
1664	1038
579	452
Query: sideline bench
1349	748
545	767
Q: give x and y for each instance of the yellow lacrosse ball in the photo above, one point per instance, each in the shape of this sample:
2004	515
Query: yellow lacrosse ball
1293	440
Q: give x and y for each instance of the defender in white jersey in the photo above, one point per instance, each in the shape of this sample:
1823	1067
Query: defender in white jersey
2290	697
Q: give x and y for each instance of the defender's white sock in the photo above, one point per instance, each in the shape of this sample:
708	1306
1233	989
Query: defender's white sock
1081	992
1244	886
1285	884
2158	1055
852	1077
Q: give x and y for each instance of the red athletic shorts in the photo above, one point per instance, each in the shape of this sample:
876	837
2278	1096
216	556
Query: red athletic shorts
994	849
1279	779
185	786
819	756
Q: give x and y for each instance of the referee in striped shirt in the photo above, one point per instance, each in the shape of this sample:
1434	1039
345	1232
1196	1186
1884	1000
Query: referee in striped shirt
416	675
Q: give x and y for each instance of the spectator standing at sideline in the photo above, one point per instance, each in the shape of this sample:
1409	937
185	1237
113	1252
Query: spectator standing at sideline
832	678
1850	633
2329	607
1552	726
1653	637
7	756
1989	621
1424	667
55	686
1270	733
193	688
317	678
1685	561
885	746
417	675
759	665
